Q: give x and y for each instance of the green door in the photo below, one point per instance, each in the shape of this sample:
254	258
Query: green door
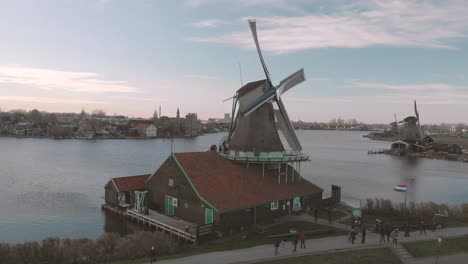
169	205
296	204
208	216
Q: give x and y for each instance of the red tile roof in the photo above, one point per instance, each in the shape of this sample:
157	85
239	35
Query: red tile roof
131	183
227	185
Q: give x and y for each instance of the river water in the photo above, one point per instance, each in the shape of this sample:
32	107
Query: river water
55	187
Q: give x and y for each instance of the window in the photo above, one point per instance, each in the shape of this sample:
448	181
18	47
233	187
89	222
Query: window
274	205
171	182
186	205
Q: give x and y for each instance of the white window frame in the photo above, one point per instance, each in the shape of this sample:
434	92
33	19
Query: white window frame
274	205
175	202
171	182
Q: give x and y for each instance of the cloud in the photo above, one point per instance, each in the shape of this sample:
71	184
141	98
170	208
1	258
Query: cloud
431	94
208	23
437	87
45	79
409	23
263	3
46	100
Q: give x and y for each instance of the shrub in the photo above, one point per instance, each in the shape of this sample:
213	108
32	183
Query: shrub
105	248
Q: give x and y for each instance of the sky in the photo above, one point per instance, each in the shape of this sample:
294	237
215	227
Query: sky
362	59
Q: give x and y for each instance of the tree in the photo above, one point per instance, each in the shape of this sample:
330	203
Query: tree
53	118
98	112
35	116
83	113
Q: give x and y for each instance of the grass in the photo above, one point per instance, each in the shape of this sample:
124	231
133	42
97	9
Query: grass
369	220
432	247
365	256
463	142
238	243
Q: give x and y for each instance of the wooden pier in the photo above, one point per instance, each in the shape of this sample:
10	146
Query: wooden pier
154	220
377	151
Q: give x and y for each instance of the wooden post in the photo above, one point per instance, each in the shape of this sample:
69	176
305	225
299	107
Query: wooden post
292	173
263	170
279	174
286	173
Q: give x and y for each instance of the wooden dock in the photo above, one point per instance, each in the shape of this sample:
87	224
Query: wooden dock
175	227
377	151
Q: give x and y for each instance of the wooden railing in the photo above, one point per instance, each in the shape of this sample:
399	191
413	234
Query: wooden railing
165	227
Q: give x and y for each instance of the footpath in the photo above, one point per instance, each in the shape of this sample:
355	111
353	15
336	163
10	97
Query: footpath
327	245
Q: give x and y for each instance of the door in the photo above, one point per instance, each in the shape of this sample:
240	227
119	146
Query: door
169	205
296	204
208	216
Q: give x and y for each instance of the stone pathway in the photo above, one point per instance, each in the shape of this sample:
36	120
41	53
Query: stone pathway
401	253
324	245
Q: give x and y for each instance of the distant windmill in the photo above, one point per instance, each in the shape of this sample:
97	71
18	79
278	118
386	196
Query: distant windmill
258	112
417	117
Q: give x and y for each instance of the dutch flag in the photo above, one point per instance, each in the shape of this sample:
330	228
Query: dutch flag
400	188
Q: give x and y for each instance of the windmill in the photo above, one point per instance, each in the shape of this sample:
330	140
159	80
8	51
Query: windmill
394	125
417	117
258	112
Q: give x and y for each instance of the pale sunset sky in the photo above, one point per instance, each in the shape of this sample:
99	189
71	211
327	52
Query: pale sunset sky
362	59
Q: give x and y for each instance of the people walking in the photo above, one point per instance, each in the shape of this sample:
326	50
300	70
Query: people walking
302	239
382	233
294	242
407	230
352	235
388	232
316	214
153	255
395	236
422	228
363	235
277	243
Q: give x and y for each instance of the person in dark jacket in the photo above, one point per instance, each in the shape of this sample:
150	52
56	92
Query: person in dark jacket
422	228
316	214
153	255
407	230
382	233
277	243
294	242
388	232
363	235
352	235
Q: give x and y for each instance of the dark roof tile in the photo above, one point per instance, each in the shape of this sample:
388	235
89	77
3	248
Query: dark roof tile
228	186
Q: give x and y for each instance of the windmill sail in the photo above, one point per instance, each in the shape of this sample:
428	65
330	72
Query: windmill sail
417	117
291	81
255	127
253	28
286	127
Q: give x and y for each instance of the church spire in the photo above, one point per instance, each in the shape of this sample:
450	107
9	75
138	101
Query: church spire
178	113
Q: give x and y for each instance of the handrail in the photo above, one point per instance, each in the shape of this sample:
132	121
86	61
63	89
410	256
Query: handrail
187	234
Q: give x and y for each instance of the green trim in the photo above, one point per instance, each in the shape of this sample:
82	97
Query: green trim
193	186
262	204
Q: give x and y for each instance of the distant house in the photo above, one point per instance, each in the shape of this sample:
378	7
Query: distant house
205	188
454	149
400	145
146	130
428	140
119	192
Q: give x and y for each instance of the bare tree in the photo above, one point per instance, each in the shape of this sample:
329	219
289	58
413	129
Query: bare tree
98	112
